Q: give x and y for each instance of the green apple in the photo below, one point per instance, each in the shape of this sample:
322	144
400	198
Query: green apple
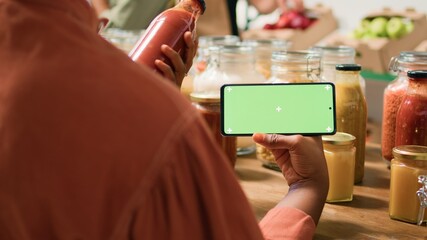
359	32
409	25
378	27
396	28
365	23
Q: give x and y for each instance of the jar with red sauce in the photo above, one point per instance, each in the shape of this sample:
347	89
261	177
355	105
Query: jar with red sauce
210	108
167	28
393	96
411	118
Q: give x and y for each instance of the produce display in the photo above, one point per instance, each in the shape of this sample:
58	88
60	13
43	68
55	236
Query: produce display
293	20
383	27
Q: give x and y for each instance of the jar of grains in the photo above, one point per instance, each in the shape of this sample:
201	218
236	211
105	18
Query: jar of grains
289	67
393	95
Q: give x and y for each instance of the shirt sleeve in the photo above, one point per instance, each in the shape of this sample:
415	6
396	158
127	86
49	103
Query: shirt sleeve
287	223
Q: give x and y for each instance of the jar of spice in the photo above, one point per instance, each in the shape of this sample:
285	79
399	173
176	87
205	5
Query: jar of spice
393	96
411	118
408	190
289	67
351	111
340	155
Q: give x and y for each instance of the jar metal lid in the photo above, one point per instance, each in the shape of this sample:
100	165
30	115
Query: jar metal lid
348	67
413	152
417	74
339	138
205	97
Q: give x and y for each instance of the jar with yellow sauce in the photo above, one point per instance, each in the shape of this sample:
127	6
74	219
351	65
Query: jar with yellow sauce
340	154
351	111
408	190
290	67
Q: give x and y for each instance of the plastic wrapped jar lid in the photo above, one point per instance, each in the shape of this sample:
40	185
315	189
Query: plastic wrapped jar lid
339	138
412	152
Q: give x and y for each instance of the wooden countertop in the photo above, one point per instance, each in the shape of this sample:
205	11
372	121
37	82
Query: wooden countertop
366	217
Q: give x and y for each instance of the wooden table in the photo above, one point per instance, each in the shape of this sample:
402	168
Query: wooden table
366	217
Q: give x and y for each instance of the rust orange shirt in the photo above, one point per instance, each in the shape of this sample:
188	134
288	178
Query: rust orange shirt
94	146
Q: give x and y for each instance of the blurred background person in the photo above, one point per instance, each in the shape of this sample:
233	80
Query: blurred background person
221	16
130	14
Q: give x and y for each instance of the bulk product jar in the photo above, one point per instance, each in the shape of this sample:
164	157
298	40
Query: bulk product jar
289	67
393	95
408	190
210	107
411	118
332	56
340	155
264	49
227	64
351	111
202	57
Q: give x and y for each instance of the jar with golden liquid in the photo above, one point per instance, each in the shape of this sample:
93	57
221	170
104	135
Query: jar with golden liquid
289	67
408	184
340	155
351	111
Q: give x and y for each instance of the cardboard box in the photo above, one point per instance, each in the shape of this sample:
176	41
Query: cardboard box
375	54
422	47
300	39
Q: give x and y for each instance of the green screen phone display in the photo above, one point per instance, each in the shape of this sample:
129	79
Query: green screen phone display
294	108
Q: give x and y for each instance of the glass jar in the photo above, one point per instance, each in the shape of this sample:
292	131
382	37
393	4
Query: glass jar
340	155
295	67
411	118
408	168
351	111
393	96
289	67
227	64
210	108
332	56
202	58
264	49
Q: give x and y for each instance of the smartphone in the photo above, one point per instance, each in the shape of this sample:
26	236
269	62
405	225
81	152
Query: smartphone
288	108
